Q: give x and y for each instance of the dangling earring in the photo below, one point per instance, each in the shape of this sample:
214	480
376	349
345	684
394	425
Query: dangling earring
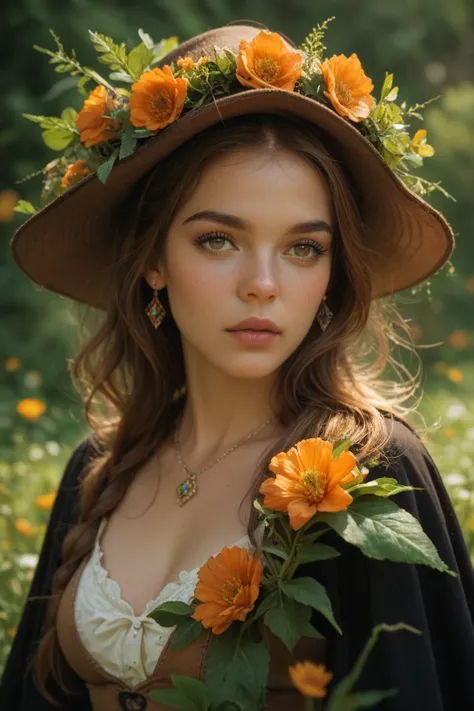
155	310
324	314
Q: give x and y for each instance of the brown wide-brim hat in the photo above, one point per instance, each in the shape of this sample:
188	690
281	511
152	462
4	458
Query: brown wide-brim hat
64	247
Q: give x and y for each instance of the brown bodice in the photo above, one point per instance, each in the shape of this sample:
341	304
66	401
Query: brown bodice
109	693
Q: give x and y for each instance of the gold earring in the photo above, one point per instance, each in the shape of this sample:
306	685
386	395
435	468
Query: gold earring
155	310
324	314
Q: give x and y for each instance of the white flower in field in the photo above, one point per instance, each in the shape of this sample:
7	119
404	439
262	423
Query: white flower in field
454	479
456	411
463	494
465	462
27	560
53	448
470	433
35	453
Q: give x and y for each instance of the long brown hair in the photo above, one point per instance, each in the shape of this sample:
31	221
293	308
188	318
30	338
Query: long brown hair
131	377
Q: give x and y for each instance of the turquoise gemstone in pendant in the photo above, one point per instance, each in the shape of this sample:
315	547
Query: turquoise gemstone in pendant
184	488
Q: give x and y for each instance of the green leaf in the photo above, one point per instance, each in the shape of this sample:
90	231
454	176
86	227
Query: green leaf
57	138
385	532
138	60
289	621
361	700
146	39
237	670
272	598
69	116
171	697
385	486
170	613
274	551
392	95
25	208
309	592
316	551
103	171
340	446
192	689
187	631
81	85
387	86
163	47
121	76
127	144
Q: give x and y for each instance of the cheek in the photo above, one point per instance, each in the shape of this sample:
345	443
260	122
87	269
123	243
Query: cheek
196	284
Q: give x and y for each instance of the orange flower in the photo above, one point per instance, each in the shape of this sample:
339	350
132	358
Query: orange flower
185	62
310	679
31	408
348	87
12	363
266	63
455	375
46	501
157	99
308	480
74	173
24	526
228	587
458	339
91	123
8	200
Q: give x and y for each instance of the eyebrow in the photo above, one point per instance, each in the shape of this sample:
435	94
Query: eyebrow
232	221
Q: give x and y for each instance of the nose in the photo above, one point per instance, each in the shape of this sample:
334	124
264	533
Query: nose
259	279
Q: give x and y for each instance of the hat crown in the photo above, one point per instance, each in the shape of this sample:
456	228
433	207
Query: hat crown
228	36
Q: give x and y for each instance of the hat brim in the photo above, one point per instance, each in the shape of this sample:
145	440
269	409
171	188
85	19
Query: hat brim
64	246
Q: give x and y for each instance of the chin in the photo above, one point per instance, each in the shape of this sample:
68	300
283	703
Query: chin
251	366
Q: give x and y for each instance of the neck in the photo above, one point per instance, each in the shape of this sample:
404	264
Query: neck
219	411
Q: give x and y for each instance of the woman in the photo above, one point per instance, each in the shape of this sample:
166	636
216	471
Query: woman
238	263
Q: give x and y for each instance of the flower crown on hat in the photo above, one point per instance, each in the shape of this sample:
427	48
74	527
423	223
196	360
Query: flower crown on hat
114	120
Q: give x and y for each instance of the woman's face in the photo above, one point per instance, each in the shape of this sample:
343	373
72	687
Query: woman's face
253	240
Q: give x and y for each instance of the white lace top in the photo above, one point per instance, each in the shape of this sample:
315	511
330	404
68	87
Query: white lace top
123	644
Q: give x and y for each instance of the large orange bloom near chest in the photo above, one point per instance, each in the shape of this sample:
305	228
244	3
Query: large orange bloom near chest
228	587
308	479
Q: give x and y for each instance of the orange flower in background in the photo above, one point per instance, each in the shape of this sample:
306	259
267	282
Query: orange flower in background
24	526
46	501
418	144
348	86
308	480
8	200
185	63
74	173
228	587
157	99
455	375
310	679
91	123
12	364
31	408
458	339
266	63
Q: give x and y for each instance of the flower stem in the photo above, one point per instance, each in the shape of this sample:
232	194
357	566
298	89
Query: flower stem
308	703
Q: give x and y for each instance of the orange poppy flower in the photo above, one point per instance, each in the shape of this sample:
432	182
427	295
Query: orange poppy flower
310	679
46	501
228	587
308	480
74	173
266	63
348	86
24	526
157	99
31	408
91	123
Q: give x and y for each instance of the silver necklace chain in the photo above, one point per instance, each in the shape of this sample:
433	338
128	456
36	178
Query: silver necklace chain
207	466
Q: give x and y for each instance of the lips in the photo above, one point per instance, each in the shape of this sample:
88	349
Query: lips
255	324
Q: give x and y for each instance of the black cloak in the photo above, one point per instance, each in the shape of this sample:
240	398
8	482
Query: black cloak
432	672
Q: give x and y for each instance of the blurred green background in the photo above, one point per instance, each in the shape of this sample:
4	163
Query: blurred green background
427	44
